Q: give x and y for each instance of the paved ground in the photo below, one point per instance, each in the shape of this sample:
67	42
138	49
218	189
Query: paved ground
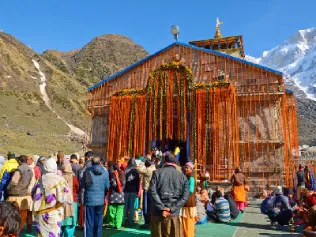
253	224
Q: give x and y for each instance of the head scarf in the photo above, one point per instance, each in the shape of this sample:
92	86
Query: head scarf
190	164
130	165
123	167
35	159
68	174
51	189
141	158
50	166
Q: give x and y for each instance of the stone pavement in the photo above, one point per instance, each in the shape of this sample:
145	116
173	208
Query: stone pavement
256	224
253	224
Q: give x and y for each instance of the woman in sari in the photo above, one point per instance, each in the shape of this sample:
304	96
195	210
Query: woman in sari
50	194
238	190
189	212
71	210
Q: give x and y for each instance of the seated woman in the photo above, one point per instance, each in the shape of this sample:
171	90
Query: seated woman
200	207
201	213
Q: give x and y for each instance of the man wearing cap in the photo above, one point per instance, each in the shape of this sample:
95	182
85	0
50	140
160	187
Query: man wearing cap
60	159
169	191
282	212
146	169
6	173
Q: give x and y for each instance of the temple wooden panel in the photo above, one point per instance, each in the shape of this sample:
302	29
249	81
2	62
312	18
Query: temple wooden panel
261	138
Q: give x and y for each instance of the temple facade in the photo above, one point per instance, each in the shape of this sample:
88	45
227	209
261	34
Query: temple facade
224	110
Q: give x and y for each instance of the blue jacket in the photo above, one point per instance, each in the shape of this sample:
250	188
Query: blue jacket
96	183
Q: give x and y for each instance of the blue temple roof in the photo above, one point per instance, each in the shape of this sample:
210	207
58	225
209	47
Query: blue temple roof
189	46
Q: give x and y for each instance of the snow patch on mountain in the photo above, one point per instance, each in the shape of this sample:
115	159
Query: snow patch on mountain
296	58
46	100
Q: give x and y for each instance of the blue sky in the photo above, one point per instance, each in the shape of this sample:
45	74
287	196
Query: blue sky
70	24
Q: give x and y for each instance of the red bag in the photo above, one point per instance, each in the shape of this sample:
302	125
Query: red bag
118	181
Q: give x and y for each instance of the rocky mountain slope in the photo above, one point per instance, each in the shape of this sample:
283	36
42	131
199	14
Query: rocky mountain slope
43	97
296	57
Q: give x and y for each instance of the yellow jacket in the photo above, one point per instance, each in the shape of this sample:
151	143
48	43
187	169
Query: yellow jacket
9	166
176	151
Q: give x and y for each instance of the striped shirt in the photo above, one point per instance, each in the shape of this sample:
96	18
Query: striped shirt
221	207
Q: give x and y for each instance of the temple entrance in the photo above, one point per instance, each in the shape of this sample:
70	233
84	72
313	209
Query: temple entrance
167	96
171	145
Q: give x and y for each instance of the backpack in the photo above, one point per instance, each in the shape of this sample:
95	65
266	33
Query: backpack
6	179
267	205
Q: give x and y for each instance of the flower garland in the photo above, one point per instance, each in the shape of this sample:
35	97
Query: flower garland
165	100
207	134
161	90
135	114
168	88
132	127
123	92
217	84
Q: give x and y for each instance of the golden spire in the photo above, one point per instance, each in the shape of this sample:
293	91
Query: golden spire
218	29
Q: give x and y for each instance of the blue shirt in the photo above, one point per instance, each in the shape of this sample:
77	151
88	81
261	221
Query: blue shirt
221	207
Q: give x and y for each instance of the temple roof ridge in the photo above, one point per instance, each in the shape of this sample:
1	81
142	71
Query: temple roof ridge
189	46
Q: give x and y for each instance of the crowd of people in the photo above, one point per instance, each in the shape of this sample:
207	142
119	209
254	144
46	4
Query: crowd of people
293	206
57	195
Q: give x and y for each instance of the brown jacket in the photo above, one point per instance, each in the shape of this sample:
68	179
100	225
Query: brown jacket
147	173
238	179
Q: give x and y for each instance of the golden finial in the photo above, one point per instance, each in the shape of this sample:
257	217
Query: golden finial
218	29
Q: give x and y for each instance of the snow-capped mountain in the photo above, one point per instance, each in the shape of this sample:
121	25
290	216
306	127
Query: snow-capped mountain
296	57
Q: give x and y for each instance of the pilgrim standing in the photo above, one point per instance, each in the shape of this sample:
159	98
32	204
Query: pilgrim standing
169	191
50	194
96	184
238	190
310	182
189	212
116	198
146	170
6	173
300	182
19	188
131	190
71	210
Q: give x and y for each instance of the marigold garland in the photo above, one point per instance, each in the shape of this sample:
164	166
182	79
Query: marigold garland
138	116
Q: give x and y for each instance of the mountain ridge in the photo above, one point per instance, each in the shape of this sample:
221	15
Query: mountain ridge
27	123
